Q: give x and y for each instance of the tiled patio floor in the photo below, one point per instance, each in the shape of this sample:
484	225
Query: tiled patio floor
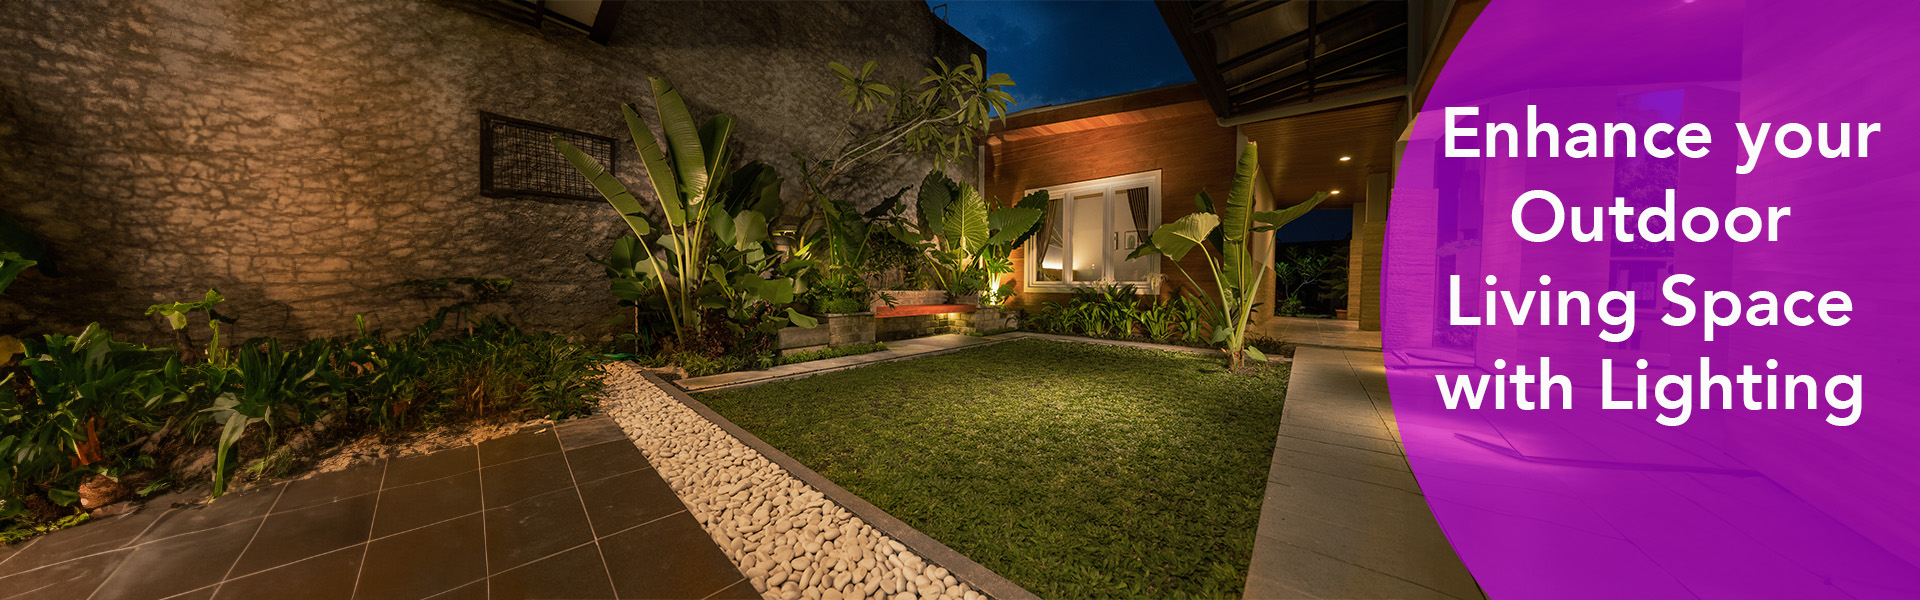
573	511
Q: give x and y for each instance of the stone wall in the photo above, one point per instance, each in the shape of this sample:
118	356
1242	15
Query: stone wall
306	158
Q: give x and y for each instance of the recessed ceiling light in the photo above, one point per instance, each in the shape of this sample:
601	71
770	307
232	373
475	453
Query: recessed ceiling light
1335	192
1345	158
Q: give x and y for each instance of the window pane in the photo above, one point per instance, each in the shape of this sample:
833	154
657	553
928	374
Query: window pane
1049	266
1089	234
1133	226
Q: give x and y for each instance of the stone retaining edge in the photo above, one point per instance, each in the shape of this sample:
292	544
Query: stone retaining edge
963	568
803	375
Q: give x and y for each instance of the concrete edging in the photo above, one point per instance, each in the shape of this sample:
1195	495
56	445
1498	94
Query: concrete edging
963	568
834	369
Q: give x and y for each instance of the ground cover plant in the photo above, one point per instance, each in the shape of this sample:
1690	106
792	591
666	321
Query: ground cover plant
1116	312
1074	470
87	420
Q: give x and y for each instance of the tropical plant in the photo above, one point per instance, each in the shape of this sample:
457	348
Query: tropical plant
636	291
176	314
961	237
1299	269
698	196
78	398
1229	229
936	117
263	385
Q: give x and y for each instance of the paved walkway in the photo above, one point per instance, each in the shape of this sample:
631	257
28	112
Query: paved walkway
1332	333
896	350
573	511
1343	516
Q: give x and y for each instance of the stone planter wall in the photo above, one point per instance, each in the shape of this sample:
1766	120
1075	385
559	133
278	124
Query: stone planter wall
986	318
850	329
834	330
909	298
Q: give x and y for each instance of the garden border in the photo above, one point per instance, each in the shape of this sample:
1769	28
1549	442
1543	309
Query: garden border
858	360
963	568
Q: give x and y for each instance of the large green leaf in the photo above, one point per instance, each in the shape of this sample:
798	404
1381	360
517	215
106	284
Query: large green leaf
666	188
966	222
1236	218
749	229
689	158
10	266
936	192
1279	218
1036	201
1177	238
804	321
1011	224
609	187
713	140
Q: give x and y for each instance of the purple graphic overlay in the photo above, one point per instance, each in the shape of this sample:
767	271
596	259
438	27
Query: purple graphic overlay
1632	334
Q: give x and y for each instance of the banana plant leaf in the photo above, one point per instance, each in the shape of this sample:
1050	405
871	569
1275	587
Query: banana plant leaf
683	137
1179	237
659	171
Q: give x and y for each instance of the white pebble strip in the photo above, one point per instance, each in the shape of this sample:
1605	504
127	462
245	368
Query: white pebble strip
789	539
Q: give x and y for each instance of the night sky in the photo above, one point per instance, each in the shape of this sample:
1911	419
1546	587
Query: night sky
1060	52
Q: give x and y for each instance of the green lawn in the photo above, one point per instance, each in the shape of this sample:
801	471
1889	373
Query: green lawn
1075	470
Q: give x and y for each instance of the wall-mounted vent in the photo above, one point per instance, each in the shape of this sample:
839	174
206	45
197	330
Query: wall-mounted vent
517	158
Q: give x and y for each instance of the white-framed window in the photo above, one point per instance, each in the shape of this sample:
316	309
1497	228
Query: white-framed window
1090	228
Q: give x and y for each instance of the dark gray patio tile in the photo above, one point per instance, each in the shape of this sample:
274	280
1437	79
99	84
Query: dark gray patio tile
290	536
1404	548
535	528
226	509
74	579
179	564
668	558
587	432
518	446
428	467
623	501
7	552
606	460
328	576
576	573
89	538
329	487
522	479
1337	438
1383	460
472	591
738	591
1322	576
205	593
425	561
407	507
1395	478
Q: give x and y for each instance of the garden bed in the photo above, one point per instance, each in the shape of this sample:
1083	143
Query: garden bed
1073	470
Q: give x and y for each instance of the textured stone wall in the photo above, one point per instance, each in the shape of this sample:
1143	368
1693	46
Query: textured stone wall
307	157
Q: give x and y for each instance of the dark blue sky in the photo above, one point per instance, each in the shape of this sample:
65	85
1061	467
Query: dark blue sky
1060	52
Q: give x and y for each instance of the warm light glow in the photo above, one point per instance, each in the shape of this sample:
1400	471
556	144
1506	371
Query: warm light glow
1334	193
1345	158
1050	264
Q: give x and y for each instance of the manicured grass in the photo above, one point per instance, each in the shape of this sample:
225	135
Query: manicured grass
1074	470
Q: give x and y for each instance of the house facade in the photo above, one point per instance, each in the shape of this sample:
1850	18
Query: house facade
1326	89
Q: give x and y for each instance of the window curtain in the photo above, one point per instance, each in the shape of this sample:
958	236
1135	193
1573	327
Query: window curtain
1137	202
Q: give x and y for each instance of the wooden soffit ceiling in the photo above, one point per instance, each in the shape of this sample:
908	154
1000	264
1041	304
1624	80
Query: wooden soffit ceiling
1301	155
